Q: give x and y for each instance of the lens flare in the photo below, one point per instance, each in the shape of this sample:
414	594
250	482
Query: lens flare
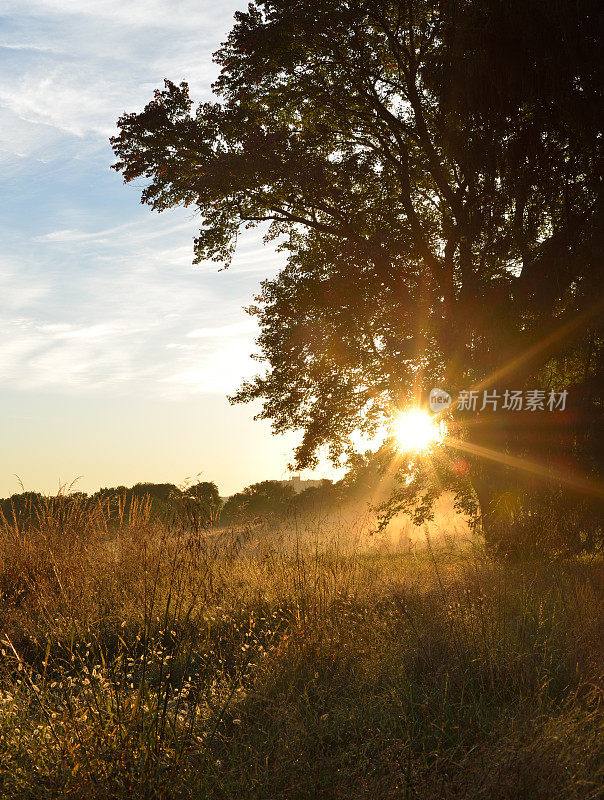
416	431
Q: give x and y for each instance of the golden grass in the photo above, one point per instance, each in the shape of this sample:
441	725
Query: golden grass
138	661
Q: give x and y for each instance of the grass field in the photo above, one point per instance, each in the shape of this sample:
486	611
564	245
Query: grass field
138	663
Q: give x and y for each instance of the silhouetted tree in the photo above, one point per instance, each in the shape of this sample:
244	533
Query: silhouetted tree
267	499
319	499
21	509
434	170
201	505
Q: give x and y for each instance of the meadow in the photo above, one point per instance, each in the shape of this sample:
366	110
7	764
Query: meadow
140	661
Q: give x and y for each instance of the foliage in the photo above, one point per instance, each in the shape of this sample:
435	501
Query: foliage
431	168
324	498
267	499
194	506
199	505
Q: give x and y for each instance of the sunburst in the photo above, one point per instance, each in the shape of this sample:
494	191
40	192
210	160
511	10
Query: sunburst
415	431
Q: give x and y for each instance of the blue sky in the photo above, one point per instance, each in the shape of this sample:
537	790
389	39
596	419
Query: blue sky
116	353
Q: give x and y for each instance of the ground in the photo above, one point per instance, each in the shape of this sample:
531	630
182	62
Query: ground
138	662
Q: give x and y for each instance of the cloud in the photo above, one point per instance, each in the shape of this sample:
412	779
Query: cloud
38	355
68	235
95	292
218	370
20	287
35	48
74	103
123	306
117	236
242	328
170	14
104	58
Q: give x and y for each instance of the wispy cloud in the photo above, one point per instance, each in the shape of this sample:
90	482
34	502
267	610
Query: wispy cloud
242	328
104	58
117	236
96	291
98	296
124	305
32	48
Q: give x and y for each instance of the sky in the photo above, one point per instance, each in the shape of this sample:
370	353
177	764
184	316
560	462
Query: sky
116	352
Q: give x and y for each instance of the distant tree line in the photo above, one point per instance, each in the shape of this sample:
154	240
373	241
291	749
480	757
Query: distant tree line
199	507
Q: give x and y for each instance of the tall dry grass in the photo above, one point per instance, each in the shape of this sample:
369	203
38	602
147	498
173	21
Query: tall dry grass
141	661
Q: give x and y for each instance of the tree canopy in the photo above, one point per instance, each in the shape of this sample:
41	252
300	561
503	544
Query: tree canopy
434	172
266	499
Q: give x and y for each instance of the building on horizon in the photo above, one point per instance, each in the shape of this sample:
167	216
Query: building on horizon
299	485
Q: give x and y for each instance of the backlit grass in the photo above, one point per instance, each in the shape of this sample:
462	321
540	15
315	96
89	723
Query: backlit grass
140	662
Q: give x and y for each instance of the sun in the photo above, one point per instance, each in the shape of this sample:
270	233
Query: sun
415	431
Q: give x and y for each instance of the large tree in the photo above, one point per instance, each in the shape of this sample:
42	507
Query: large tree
433	168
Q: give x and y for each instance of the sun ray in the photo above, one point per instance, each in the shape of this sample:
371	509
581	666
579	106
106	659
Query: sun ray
581	483
538	347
